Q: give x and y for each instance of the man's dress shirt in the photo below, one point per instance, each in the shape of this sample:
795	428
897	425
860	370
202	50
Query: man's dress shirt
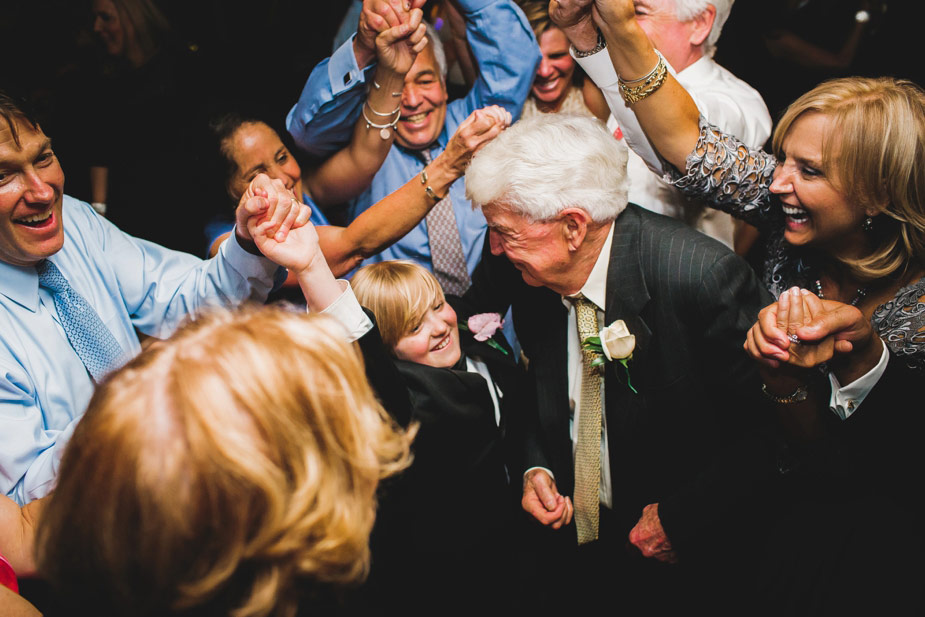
132	284
724	99
323	119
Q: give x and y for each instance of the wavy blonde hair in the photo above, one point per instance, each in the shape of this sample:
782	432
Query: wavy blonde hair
877	159
221	470
398	293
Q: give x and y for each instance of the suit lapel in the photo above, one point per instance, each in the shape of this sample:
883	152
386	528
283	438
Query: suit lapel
627	294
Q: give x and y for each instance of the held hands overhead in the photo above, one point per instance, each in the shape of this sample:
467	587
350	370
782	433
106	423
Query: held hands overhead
403	18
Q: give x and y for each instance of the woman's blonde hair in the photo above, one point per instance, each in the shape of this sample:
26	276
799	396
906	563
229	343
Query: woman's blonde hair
398	293
221	471
876	157
537	13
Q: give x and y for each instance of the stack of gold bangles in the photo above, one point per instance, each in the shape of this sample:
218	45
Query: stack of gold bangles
384	131
634	90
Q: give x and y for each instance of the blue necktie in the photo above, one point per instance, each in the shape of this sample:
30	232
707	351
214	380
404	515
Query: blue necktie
97	348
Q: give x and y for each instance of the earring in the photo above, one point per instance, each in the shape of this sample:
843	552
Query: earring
868	224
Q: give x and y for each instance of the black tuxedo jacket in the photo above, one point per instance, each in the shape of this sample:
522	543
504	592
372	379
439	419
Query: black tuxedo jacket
689	301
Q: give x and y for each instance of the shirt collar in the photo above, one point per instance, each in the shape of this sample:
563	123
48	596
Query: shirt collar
595	288
699	69
20	284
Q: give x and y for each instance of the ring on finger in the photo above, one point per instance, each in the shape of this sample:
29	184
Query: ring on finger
794	339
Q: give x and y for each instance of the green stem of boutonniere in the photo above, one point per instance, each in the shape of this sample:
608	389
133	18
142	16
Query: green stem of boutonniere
593	344
490	342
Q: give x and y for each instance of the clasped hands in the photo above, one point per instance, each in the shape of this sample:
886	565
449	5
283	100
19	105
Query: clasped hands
270	217
391	30
803	330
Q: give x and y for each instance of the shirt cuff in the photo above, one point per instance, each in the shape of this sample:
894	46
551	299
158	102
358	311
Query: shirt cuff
343	71
347	310
845	400
599	67
247	264
473	6
546	469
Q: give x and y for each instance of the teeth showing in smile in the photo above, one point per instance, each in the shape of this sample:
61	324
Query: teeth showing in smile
797	214
442	344
35	219
416	117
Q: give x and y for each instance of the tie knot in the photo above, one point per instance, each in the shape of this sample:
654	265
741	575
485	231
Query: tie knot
50	277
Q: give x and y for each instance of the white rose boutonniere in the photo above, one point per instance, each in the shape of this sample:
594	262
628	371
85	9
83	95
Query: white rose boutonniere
613	343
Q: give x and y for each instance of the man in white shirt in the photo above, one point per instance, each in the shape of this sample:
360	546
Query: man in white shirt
685	32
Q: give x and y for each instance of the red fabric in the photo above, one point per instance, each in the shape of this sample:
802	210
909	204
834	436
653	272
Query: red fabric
7	576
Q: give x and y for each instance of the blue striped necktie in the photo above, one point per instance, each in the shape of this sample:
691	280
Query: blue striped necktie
97	348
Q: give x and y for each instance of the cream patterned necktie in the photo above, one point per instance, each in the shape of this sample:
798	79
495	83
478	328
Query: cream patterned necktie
446	251
588	449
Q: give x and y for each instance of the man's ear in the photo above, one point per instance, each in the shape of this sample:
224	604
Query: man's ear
575	223
702	25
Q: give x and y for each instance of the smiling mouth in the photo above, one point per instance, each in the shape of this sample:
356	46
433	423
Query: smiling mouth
442	344
795	215
416	118
35	220
545	86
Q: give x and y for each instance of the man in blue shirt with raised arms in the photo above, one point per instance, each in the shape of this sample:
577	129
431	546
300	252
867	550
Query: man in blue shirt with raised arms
450	239
74	289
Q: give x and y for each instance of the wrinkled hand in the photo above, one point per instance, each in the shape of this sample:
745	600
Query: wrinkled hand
542	500
649	536
269	204
611	13
378	16
478	129
568	13
398	46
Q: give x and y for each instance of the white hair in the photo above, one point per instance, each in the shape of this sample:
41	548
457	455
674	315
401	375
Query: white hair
687	10
433	39
545	164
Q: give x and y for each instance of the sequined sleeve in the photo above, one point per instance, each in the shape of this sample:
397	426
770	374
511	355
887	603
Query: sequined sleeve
724	173
901	324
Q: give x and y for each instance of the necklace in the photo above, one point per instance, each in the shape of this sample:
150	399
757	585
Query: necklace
858	296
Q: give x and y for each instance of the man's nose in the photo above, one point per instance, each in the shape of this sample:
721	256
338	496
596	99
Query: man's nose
410	96
37	190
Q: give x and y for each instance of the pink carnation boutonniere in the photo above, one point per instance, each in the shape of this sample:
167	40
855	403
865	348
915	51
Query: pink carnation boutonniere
613	343
483	326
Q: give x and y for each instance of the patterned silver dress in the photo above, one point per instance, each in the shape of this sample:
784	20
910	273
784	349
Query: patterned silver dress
730	176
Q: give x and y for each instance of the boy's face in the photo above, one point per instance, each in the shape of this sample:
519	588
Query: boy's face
434	341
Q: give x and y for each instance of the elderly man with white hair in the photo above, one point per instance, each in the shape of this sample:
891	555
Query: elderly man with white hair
685	32
627	429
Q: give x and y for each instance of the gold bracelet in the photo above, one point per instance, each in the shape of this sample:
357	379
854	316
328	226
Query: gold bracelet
430	192
647	84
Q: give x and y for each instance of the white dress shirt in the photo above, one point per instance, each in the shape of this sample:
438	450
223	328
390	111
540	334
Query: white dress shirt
724	100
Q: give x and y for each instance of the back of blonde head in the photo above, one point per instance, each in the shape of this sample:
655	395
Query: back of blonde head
398	293
876	157
220	468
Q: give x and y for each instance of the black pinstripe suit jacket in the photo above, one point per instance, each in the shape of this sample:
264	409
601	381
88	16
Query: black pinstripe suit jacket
689	301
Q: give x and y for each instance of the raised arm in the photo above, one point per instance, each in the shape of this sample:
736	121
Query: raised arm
350	171
17	534
394	216
668	115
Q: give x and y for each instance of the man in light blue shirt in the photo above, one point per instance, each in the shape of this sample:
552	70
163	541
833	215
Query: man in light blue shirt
502	43
130	284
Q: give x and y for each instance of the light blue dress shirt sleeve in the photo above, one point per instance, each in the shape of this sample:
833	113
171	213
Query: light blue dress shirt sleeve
131	283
